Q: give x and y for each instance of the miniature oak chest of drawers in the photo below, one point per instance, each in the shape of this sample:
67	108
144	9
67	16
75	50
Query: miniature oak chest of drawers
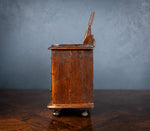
72	75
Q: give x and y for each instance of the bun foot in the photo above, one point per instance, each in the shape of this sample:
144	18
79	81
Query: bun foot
85	113
56	113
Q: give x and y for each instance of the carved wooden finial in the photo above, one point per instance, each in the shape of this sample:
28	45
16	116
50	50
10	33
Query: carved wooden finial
89	38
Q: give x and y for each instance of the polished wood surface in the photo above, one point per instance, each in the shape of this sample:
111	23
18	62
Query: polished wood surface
71	46
72	78
80	106
115	110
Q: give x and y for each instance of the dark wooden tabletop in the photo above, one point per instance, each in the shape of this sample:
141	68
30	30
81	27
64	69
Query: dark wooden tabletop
115	110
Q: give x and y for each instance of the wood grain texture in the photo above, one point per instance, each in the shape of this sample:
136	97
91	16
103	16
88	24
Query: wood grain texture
115	110
60	77
81	80
72	77
72	47
79	106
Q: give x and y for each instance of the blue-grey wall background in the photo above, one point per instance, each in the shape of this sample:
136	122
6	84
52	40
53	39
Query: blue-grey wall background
121	29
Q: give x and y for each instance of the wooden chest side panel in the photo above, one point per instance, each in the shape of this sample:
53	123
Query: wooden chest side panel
60	77
81	76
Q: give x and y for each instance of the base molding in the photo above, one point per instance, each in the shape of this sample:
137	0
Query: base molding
84	105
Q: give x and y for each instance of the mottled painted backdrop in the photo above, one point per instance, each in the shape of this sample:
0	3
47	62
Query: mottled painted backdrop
121	29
